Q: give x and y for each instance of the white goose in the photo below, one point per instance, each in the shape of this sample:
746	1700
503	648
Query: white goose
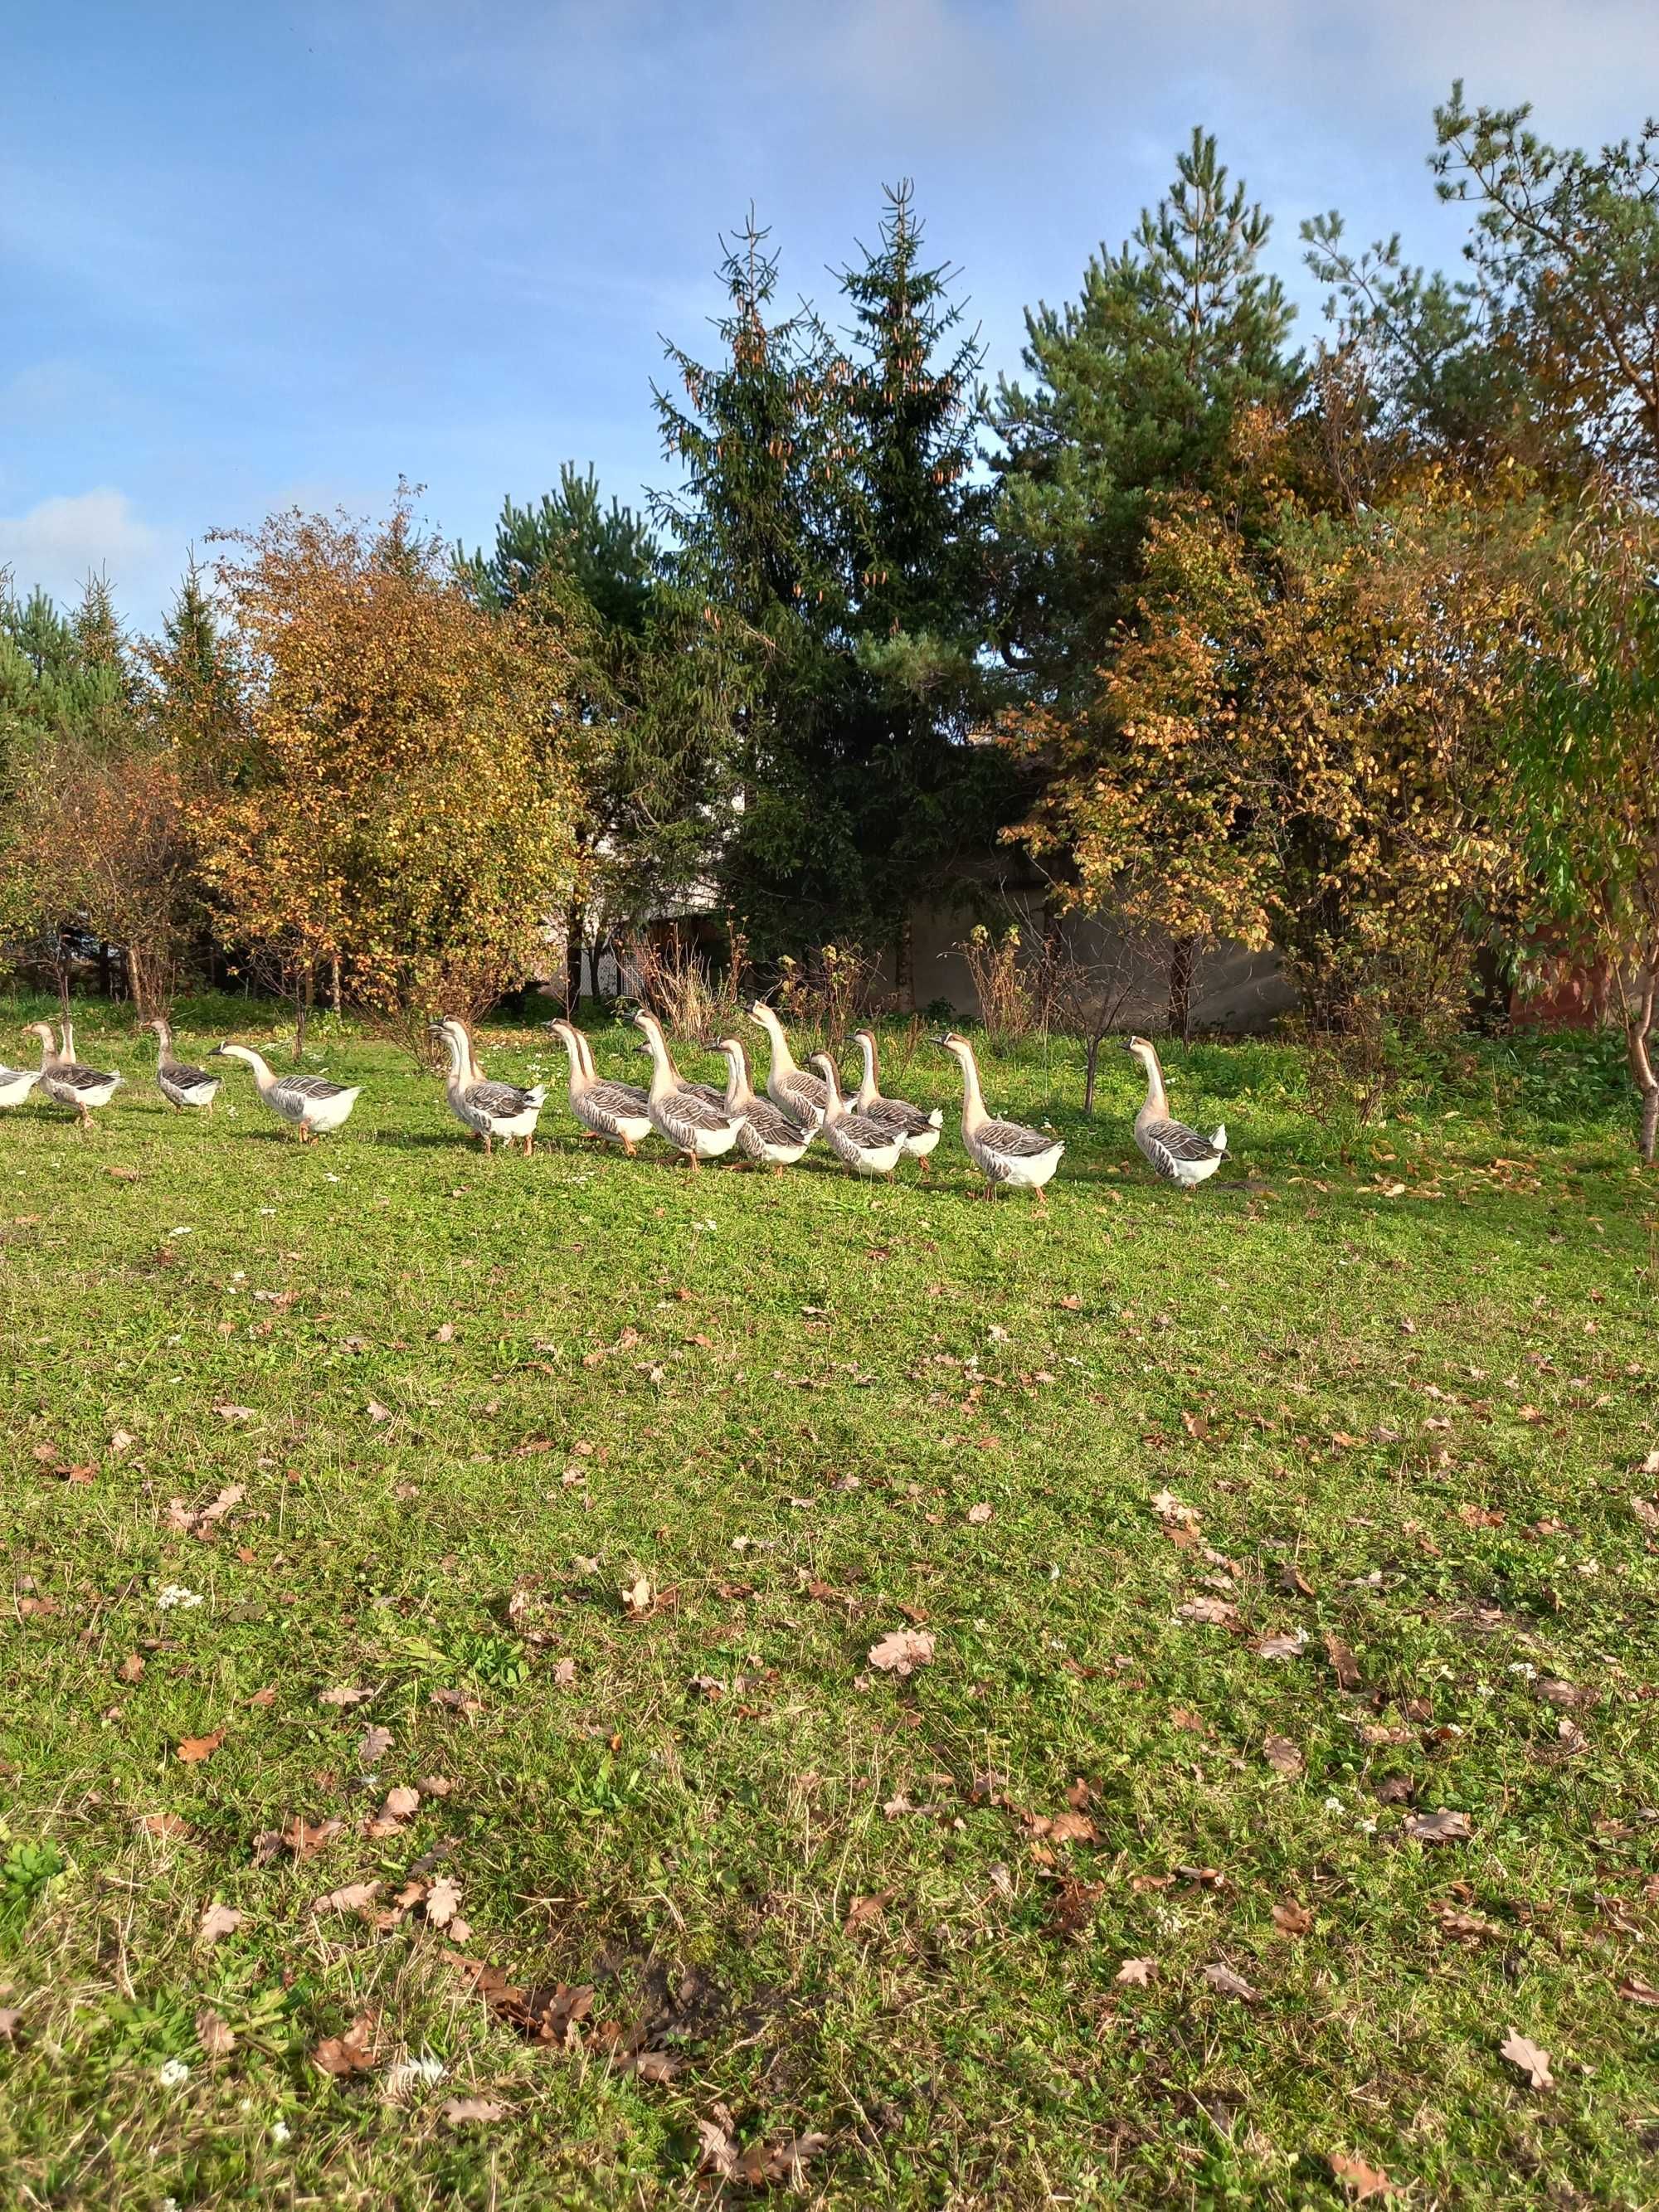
867	1146
802	1097
64	1080
1003	1151
1179	1154
919	1131
16	1082
488	1110
766	1134
181	1086
682	1115
620	1111
309	1103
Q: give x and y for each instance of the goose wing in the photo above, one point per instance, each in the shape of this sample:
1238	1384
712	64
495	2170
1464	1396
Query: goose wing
74	1077
899	1114
771	1125
1168	1143
299	1088
685	1115
809	1088
1015	1142
866	1132
623	1099
188	1078
708	1094
502	1102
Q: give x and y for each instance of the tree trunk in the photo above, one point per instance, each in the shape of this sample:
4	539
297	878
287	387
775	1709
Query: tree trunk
307	996
575	915
904	965
1091	1069
1638	1043
334	983
1183	968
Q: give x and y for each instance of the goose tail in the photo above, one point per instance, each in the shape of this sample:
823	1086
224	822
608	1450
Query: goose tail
1218	1138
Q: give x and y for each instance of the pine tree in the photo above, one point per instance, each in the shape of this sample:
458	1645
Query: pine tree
1136	388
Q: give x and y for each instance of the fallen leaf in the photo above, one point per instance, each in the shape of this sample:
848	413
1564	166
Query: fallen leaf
355	1896
1528	2058
564	1674
1343	1665
718	2150
979	1514
1212	1611
121	1440
636	1598
401	1803
373	1744
132	1668
1635	1990
342	2056
195	1748
434	1785
377	1412
1224	1979
267	1696
460	2112
1284	1756
1292	1918
1069	1828
1168	1507
343	1695
444	1333
11	2022
1291	1645
1439	1827
1136	1974
443	1901
168	1825
1361	2181
228	1413
215	2039
866	1910
902	1651
302	1837
219	1920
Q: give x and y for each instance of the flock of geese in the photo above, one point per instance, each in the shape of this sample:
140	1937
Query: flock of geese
869	1133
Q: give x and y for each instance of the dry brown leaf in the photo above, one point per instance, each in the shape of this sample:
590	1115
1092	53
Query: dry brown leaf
215	2039
1361	2181
637	1598
1068	1828
443	1901
195	1748
1343	1665
1439	1827
401	1803
302	1837
219	1920
1284	1756
373	1744
1136	1974
377	1412
353	2052
1223	1979
719	2148
1528	2058
564	1674
267	1696
132	1668
1212	1611
1292	1918
461	2111
11	2024
343	1695
902	1651
1635	1990
979	1514
168	1825
1290	1645
229	1413
355	1896
866	1910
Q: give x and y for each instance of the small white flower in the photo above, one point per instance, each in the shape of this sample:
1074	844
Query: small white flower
172	2073
1332	1804
174	1593
1525	1669
280	2132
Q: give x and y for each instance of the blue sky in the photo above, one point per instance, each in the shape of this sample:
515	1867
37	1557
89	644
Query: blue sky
257	254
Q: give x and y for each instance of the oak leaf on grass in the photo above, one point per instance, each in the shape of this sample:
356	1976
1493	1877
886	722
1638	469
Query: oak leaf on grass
902	1651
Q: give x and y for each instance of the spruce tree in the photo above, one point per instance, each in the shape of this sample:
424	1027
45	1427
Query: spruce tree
1135	391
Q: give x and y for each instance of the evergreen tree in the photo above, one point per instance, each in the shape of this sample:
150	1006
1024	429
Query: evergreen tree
1136	389
834	526
610	553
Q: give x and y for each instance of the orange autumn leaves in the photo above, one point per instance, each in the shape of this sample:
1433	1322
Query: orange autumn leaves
399	799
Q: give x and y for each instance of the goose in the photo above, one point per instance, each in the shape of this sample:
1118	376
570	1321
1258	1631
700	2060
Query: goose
64	1080
802	1097
310	1102
179	1085
1003	1151
620	1111
488	1110
1180	1155
680	1113
868	1147
16	1082
921	1131
766	1135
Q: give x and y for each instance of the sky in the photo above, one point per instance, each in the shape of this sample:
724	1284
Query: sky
256	256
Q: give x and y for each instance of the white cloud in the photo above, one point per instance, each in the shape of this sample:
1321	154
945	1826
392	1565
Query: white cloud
60	542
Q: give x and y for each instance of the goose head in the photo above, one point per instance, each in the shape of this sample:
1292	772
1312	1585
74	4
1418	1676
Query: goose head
822	1063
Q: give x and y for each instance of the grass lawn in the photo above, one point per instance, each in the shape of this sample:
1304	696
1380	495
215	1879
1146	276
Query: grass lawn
1250	1532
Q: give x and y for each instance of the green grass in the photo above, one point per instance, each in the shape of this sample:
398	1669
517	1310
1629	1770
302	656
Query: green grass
483	1397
